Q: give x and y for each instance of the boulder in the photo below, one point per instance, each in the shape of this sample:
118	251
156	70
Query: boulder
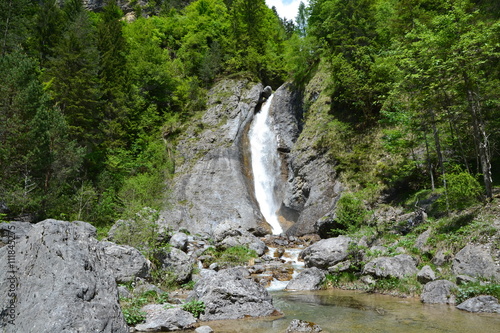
126	262
9	230
177	262
204	329
421	242
246	239
63	282
300	326
179	240
438	292
308	279
487	304
475	262
326	252
160	319
230	294
426	274
441	258
398	266
266	92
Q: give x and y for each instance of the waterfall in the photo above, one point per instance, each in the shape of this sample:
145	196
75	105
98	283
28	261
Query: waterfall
265	165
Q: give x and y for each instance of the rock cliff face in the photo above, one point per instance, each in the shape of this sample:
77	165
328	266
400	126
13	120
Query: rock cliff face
212	182
310	189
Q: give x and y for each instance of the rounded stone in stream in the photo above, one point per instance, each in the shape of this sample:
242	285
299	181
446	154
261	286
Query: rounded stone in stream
301	326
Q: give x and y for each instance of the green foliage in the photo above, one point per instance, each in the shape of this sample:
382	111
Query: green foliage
196	307
473	289
232	256
142	232
131	307
350	213
462	191
133	315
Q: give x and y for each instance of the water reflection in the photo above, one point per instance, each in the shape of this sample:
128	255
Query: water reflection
350	311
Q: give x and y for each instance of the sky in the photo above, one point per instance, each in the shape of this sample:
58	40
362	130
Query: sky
286	8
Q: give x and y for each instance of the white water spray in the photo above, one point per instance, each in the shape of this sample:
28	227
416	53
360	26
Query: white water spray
265	165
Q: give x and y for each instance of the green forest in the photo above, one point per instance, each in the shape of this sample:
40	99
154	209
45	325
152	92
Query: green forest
91	102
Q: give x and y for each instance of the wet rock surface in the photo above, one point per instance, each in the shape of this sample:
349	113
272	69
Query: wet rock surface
299	326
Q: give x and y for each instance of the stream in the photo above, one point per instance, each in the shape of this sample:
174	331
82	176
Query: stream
356	311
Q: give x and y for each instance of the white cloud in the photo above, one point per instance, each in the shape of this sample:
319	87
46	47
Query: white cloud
286	8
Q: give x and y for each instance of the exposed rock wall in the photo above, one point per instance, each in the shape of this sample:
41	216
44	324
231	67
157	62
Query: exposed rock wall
212	181
310	189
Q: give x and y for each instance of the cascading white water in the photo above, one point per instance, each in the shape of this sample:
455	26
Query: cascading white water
265	165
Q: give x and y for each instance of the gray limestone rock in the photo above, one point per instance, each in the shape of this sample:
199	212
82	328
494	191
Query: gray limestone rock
301	326
179	240
211	184
204	329
231	294
487	304
63	283
327	252
426	274
439	292
246	239
9	230
126	262
177	262
475	262
160	319
398	266
310	188
308	279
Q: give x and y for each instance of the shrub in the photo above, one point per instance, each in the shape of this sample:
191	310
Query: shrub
195	307
350	213
463	190
233	256
474	289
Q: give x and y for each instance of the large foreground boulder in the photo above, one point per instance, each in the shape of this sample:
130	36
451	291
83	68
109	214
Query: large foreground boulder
327	252
230	294
60	282
439	292
309	279
487	304
398	266
475	262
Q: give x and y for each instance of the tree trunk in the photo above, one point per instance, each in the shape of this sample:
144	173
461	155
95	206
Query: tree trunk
481	138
